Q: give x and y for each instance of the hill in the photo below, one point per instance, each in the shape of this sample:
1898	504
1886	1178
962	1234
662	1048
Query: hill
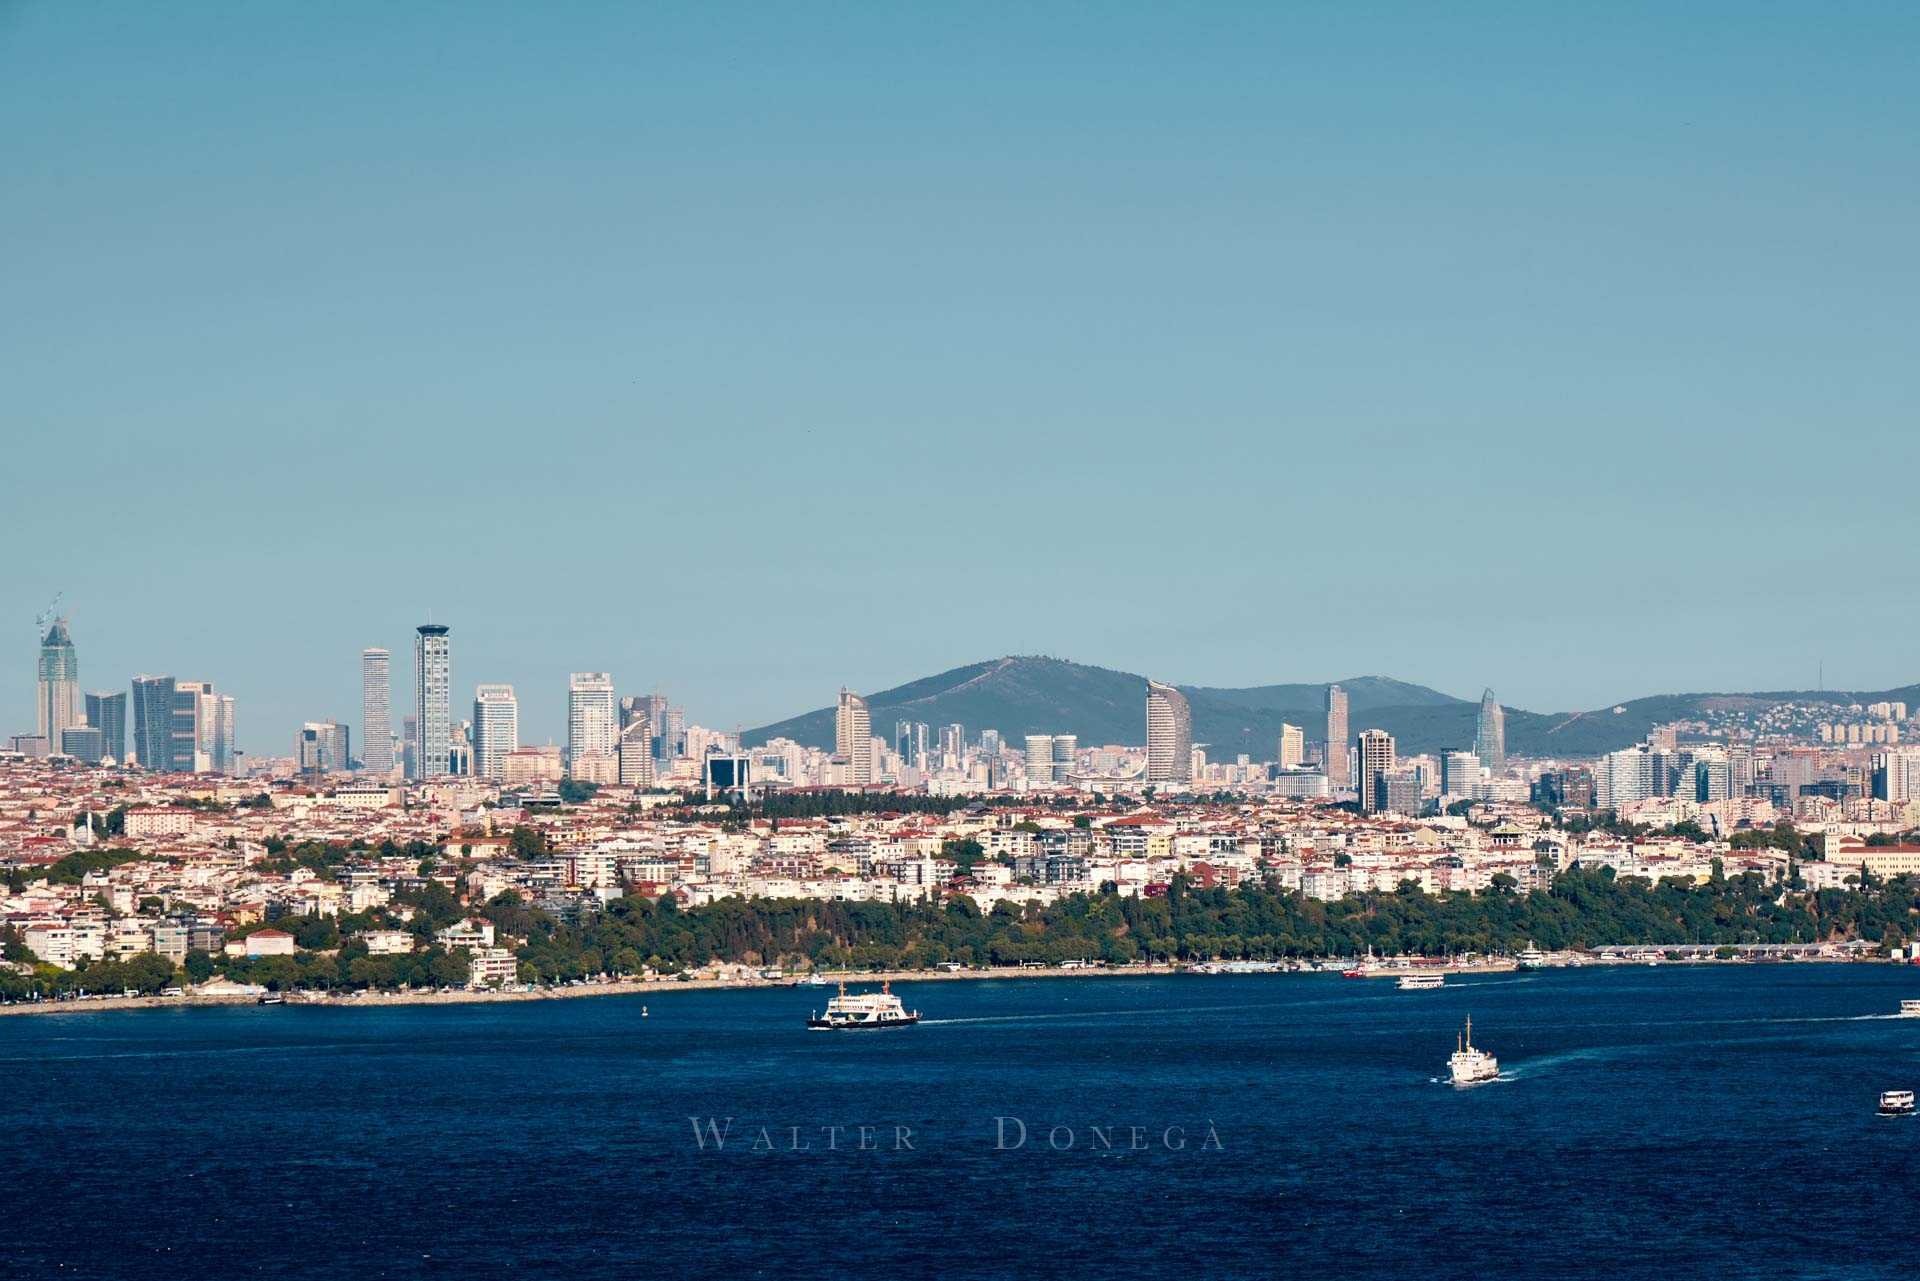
1021	695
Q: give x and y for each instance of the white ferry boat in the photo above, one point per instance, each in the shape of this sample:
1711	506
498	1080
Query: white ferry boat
1896	1103
1910	1009
868	1010
1421	982
1530	958
1469	1066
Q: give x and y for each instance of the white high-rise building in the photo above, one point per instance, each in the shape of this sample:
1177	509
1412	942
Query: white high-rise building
593	716
1460	774
636	753
1169	735
1039	760
376	711
1293	746
433	694
1624	777
496	729
1066	755
853	737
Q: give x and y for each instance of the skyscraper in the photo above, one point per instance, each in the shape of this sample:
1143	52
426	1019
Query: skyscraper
636	751
1338	776
376	711
853	737
1040	759
153	722
1293	746
1169	735
496	729
107	712
58	707
432	680
1490	739
593	726
1374	750
1066	753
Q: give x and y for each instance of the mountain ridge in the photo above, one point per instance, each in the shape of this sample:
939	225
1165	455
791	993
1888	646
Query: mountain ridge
1038	694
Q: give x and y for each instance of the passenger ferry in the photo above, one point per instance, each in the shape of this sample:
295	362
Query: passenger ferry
1421	982
1896	1103
869	1010
1469	1066
1910	1009
1530	958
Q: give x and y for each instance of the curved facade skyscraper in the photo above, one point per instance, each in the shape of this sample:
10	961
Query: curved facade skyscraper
1490	739
1169	735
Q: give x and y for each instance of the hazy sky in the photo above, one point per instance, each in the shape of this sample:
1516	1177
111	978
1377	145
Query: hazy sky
746	351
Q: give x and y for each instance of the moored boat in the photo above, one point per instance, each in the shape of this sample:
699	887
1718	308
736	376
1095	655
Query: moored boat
866	1010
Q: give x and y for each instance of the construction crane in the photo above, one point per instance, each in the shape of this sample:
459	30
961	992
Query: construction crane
47	615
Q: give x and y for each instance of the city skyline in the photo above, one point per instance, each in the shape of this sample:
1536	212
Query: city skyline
1295	261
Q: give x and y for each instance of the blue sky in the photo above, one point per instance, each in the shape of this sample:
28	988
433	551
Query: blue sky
746	351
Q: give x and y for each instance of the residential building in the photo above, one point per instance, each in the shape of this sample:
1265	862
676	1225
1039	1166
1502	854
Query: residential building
496	729
1293	747
853	738
1374	756
592	716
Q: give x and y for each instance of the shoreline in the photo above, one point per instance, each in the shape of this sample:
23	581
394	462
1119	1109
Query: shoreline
642	987
620	987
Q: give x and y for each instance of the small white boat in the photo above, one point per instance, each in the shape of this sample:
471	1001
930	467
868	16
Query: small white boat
1469	1066
815	980
1910	1009
1421	982
1896	1103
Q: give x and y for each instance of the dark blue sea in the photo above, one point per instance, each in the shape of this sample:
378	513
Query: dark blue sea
1663	1122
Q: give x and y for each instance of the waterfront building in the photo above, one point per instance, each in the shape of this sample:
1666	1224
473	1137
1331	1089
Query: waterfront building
853	738
1339	777
1490	736
57	706
376	711
1169	735
432	677
107	712
1374	754
496	729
